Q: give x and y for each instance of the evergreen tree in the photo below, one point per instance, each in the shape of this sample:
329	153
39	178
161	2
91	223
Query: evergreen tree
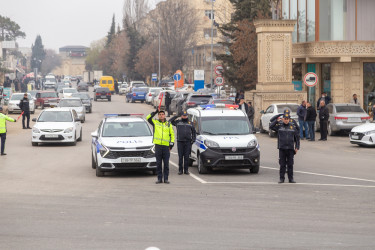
38	53
112	31
9	30
136	42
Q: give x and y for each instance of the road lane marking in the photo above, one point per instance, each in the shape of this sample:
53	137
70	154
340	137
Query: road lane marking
291	184
326	175
192	175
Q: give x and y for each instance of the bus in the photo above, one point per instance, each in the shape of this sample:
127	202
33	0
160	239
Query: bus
107	82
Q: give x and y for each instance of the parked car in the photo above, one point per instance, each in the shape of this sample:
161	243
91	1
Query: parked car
194	100
133	83
14	101
46	99
363	135
57	125
83	86
177	102
86	100
122	89
160	96
102	94
275	109
67	82
152	92
137	94
344	117
76	104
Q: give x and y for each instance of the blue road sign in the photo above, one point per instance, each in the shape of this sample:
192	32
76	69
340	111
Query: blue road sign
176	77
154	77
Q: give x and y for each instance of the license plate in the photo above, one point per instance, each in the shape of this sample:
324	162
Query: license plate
140	95
103	97
234	157
354	119
51	136
130	159
355	137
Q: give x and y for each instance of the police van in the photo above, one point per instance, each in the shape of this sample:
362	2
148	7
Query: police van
224	139
123	142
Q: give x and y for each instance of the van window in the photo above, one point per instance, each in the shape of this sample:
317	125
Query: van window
104	81
109	81
225	125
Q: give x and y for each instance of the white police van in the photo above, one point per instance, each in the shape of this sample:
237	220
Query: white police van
123	142
224	139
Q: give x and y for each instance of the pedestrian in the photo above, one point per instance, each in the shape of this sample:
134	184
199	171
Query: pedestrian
239	94
3	129
190	89
326	99
25	108
242	105
323	120
164	142
288	143
250	115
116	87
168	101
301	113
373	112
186	136
355	100
310	119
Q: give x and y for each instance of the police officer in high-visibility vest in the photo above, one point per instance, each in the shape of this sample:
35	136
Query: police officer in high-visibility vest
164	142
288	143
3	129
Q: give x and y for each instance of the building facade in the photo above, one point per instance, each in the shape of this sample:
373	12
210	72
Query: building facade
336	40
72	60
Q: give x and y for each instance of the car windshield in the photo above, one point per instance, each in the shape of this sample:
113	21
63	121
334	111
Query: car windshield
32	92
123	85
225	125
140	90
215	101
55	116
19	97
291	107
70	103
349	109
49	94
200	99
126	129
70	91
50	80
82	96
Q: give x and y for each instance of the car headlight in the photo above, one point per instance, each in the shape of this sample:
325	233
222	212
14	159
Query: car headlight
153	149
370	132
103	150
211	144
253	143
68	130
36	130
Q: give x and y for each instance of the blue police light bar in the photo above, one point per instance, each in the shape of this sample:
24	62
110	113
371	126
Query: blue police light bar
117	115
208	106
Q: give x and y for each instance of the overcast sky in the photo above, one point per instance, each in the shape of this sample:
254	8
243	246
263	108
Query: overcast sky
63	22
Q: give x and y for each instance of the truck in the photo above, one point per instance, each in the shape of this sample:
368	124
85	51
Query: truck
88	76
98	74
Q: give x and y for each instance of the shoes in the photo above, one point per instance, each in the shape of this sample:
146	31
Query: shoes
179	172
158	182
3	154
312	140
281	181
166	182
187	172
292	181
28	128
24	128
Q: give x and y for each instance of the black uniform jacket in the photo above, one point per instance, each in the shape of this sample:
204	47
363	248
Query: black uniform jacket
310	114
288	134
24	105
185	130
323	114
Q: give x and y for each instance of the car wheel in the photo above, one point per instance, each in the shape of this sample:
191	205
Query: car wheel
142	101
93	163
80	136
201	168
271	133
99	173
330	131
254	169
34	143
261	128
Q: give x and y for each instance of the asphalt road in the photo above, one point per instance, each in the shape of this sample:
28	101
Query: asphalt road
50	198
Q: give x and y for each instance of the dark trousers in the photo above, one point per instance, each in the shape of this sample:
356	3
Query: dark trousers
286	159
3	137
311	125
184	149
162	154
167	109
323	130
26	115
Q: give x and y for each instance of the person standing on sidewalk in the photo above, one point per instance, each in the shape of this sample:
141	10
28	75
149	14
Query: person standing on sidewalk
186	136
25	108
323	120
164	142
3	129
310	119
250	115
301	113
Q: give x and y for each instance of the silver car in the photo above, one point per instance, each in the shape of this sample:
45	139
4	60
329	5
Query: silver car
344	117
76	104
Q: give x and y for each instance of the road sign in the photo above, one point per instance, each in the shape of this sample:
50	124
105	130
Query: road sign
219	70
310	79
154	77
219	81
176	77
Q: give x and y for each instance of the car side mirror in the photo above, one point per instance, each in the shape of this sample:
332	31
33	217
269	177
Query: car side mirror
34	119
262	112
94	134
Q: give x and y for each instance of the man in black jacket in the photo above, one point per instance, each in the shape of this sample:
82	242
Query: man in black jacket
186	135
310	119
323	119
167	101
25	108
288	143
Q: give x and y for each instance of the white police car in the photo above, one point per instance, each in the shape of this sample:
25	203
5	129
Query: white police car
363	135
224	139
123	142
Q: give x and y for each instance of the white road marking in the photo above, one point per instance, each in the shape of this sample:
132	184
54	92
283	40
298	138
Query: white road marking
192	175
326	175
305	184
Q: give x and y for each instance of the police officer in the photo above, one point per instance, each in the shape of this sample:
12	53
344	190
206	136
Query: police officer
185	138
25	107
3	129
164	142
168	101
288	143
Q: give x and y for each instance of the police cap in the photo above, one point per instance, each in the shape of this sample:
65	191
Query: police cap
286	113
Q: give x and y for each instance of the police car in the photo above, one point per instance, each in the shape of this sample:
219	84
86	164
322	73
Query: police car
224	139
123	142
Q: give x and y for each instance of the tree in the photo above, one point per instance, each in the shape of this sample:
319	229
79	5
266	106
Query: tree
9	30
50	62
112	32
92	59
133	11
38	53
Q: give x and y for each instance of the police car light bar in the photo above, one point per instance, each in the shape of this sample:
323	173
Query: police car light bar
219	105
117	115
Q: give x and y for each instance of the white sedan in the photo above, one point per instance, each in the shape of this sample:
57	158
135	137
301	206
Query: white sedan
363	135
67	92
13	105
57	125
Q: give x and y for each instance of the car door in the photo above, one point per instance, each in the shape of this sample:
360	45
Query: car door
77	124
268	114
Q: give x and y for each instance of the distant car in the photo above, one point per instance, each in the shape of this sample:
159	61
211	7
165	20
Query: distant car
275	109
122	89
67	83
133	83
76	104
102	94
151	94
177	102
344	117
73	78
363	135
14	101
137	94
82	86
86	100
57	125
195	99
66	93
60	87
161	97
225	101
46	99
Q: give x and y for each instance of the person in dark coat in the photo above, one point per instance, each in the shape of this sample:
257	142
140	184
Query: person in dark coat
323	119
326	99
186	136
288	143
250	115
242	105
301	113
310	120
116	87
25	107
168	101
